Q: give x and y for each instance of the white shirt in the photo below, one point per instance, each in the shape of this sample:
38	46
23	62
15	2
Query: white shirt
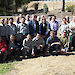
27	22
72	24
63	27
18	27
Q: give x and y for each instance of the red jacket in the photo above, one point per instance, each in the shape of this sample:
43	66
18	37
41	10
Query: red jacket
3	45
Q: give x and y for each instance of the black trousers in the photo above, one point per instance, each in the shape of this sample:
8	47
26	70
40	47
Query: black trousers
3	57
38	51
54	48
15	52
26	52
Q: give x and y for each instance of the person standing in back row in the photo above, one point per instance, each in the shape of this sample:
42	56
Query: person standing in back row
13	28
17	24
54	25
34	26
44	28
24	28
4	30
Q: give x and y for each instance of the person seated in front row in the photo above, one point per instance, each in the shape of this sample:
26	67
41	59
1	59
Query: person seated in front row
65	43
27	46
39	45
53	42
3	50
13	49
72	34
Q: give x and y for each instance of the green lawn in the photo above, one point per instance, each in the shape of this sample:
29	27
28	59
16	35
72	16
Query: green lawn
6	67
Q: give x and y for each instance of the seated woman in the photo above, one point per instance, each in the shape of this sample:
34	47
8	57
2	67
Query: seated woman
3	50
53	42
13	50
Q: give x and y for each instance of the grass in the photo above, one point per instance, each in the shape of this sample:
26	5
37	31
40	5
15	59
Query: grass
5	67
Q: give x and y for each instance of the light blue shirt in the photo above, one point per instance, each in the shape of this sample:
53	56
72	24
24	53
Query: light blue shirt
24	28
54	25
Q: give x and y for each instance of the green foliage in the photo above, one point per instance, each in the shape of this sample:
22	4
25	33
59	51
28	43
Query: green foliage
2	11
11	5
26	1
7	6
24	9
70	8
6	67
45	9
36	6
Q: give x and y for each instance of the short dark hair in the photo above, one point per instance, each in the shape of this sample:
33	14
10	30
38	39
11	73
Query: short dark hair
54	16
64	18
23	17
12	35
11	18
38	33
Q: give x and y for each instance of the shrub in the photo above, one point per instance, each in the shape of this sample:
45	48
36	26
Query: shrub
3	12
36	6
24	9
70	8
45	9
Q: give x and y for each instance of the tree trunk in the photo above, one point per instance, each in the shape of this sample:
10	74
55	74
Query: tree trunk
63	5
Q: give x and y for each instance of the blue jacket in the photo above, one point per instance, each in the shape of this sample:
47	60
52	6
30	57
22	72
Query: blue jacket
34	27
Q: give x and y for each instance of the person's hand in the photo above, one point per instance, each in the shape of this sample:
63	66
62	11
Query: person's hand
11	48
33	53
41	46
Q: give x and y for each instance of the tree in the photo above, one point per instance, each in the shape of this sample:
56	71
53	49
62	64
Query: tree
9	5
36	6
63	5
45	9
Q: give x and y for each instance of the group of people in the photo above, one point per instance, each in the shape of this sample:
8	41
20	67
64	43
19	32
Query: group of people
34	35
